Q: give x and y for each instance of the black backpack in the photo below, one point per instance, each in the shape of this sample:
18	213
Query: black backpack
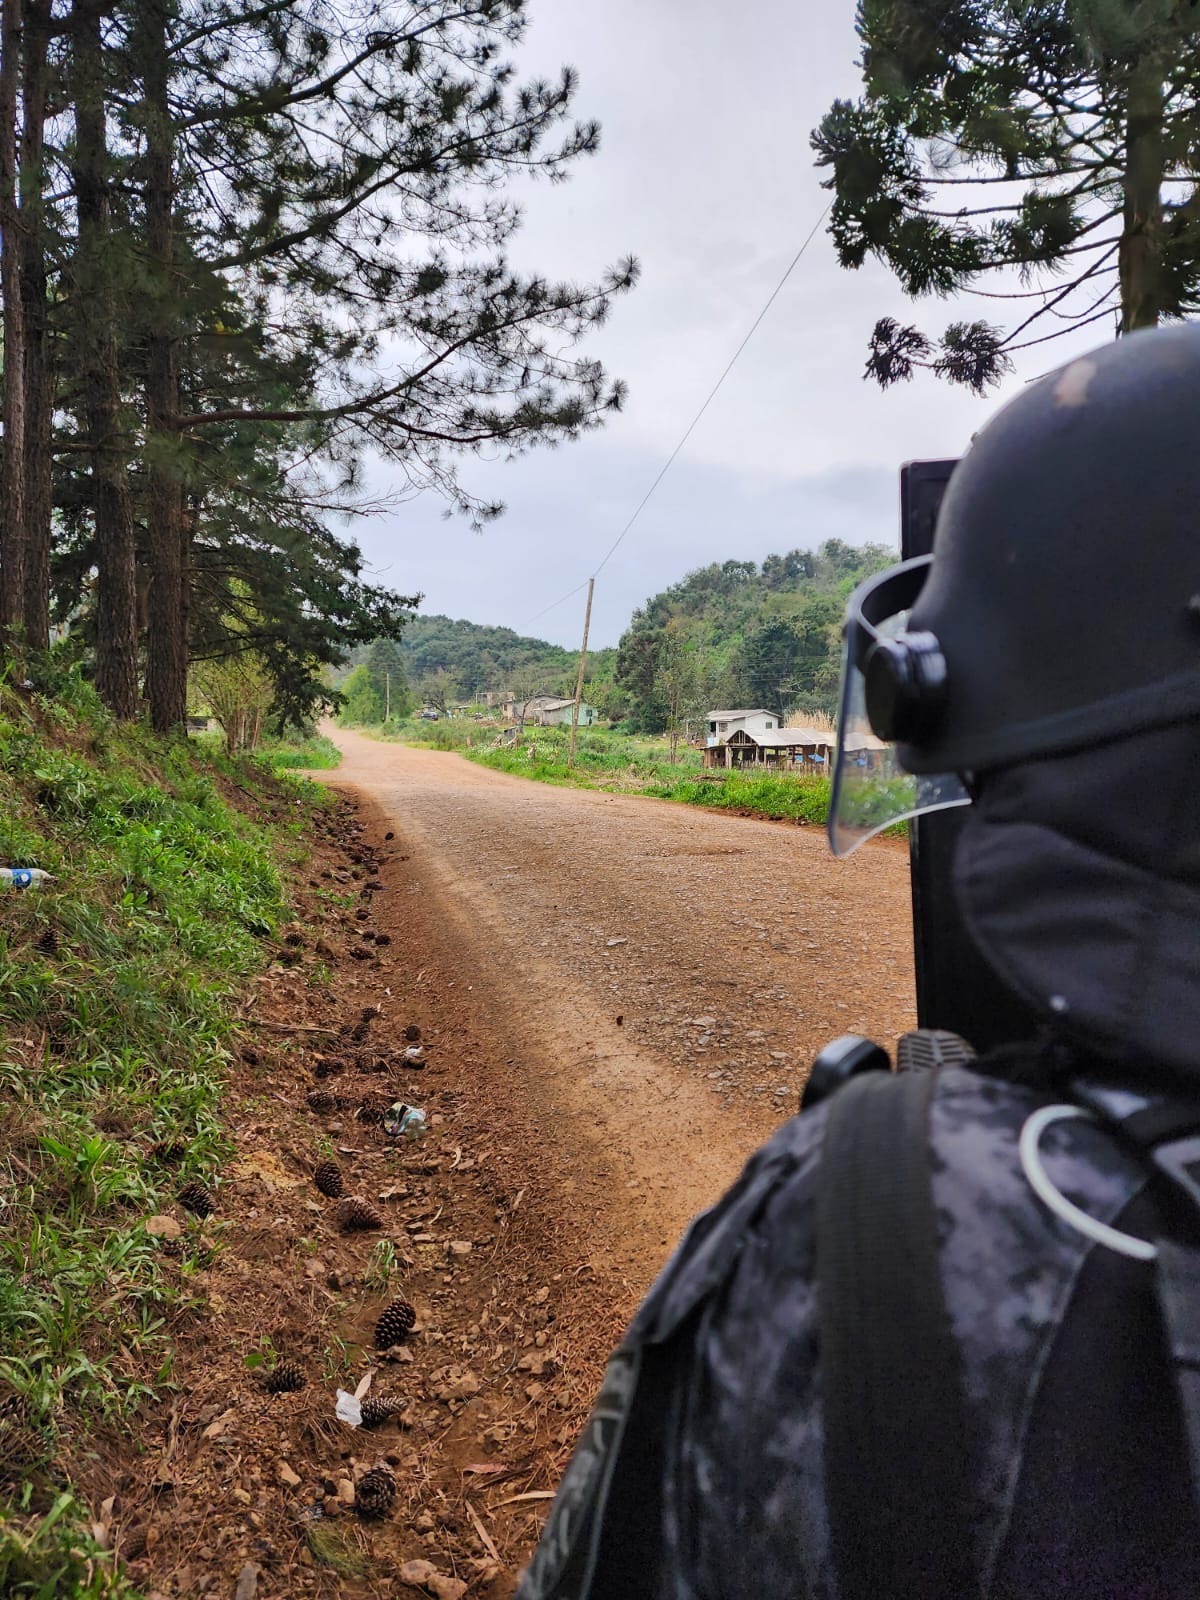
898	1451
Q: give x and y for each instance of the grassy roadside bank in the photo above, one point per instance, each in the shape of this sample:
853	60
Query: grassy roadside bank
621	764
118	980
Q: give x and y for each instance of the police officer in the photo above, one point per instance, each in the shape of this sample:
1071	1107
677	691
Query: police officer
982	1379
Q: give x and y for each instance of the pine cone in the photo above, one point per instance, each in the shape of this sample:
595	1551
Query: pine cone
394	1325
375	1494
369	1013
362	914
412	1033
294	939
197	1198
380	1408
14	1411
286	1378
328	1179
172	1248
374	884
383	938
389	836
373	1110
360	953
356	1213
167	1151
319	1101
328	1066
366	935
47	943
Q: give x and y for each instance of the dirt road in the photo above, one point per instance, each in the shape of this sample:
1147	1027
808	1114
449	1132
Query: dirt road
656	978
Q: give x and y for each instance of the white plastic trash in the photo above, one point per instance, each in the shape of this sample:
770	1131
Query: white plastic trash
23	877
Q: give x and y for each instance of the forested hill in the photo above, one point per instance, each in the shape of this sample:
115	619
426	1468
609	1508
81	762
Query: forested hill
729	634
737	634
450	659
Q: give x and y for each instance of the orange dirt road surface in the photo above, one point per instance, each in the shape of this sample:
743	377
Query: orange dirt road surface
653	979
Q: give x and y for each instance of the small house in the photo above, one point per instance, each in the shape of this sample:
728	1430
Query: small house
559	712
721	724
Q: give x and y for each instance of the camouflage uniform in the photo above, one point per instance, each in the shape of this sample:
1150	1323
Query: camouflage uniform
700	1473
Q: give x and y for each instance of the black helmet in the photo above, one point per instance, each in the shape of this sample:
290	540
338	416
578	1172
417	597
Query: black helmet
1064	596
1062	606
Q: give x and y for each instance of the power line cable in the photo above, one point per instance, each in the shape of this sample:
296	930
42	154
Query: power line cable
691	427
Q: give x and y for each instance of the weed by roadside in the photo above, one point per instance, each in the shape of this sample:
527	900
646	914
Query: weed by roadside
116	981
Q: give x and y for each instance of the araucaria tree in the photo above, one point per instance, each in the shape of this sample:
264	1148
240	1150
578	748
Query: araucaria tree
240	247
1055	143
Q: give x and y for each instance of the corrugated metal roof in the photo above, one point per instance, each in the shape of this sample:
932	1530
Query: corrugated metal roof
783	738
758	711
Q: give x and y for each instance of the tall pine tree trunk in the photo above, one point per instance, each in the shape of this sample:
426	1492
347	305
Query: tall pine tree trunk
12	404
39	374
1140	253
167	643
99	377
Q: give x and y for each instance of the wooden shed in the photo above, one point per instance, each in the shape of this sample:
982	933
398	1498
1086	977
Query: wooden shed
793	749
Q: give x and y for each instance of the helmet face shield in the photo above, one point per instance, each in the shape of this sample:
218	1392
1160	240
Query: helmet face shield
871	790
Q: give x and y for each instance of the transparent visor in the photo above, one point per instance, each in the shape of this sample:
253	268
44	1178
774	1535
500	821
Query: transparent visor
871	790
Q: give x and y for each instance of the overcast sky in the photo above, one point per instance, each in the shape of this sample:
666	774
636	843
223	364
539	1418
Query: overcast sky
705	174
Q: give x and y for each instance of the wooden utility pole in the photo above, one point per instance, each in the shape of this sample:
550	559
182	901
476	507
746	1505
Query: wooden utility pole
387	694
587	622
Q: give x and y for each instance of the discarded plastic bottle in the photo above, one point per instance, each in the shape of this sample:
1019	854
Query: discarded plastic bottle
405	1122
22	877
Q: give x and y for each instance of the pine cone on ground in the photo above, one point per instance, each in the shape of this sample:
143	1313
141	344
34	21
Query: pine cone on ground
294	939
394	1325
47	943
172	1248
328	1179
375	1493
197	1198
360	952
389	836
380	1408
362	914
286	1378
373	1110
383	938
375	884
167	1151
328	1066
366	935
355	1214
318	1100
250	1055
412	1033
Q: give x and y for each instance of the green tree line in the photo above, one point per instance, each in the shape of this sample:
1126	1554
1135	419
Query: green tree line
730	634
242	245
735	634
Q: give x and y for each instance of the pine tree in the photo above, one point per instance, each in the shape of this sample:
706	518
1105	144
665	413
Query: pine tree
1055	140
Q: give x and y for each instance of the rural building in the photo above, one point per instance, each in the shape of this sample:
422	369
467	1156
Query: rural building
798	749
723	723
547	711
559	711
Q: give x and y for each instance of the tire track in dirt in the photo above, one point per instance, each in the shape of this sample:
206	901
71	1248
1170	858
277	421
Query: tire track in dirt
655	978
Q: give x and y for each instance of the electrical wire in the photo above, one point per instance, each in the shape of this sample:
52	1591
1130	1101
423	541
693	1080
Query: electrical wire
691	427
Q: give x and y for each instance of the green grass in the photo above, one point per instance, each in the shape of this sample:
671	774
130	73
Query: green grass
113	1041
314	753
780	795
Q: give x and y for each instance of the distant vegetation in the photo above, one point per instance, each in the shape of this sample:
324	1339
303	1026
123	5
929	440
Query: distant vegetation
729	634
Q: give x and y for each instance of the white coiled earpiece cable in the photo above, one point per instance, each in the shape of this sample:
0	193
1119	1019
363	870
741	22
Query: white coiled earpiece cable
1031	1164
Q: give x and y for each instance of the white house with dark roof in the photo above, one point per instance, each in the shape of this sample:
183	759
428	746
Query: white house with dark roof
722	723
